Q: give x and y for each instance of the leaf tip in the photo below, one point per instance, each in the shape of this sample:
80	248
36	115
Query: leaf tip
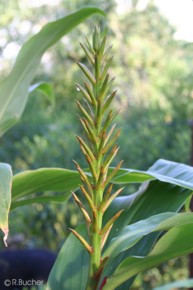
6	232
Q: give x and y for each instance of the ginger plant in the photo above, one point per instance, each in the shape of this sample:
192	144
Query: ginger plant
131	248
99	148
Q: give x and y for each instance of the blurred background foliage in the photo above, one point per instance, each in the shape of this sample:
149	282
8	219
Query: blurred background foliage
155	90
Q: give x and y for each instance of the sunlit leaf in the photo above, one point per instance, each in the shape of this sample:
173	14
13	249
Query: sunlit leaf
188	283
14	89
43	180
163	170
5	197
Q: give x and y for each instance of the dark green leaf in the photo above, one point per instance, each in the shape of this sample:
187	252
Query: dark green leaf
70	270
152	198
131	234
176	242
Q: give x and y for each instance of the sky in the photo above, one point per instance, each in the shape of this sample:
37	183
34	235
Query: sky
178	12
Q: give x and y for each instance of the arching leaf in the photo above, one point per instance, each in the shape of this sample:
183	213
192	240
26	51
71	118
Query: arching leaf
14	89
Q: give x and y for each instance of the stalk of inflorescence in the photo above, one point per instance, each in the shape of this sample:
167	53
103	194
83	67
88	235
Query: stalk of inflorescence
99	148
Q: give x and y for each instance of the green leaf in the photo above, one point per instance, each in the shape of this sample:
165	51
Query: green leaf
131	234
166	194
14	89
63	180
45	89
71	268
5	197
135	232
156	198
176	242
188	283
42	180
152	198
163	170
41	199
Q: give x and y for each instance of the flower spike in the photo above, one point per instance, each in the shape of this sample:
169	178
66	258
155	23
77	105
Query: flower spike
99	150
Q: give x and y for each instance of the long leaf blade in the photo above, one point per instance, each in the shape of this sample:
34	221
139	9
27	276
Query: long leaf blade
153	198
14	89
133	233
163	170
176	242
188	283
44	179
71	268
63	180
